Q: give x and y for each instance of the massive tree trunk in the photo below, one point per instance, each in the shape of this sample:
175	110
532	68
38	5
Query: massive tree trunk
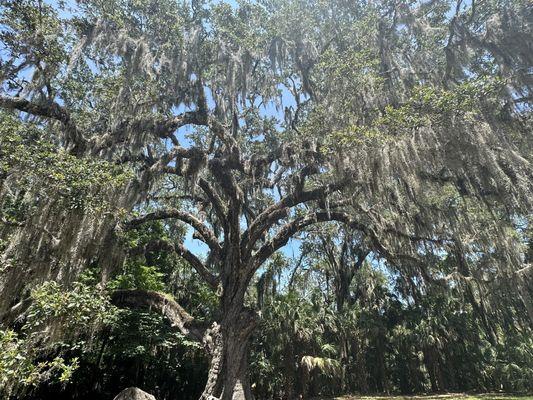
226	342
228	347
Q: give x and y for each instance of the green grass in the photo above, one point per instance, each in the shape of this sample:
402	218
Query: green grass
448	396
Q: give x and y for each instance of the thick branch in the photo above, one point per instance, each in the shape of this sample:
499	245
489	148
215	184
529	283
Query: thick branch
49	110
216	202
225	179
298	224
286	232
177	152
228	184
162	304
211	279
220	131
207	276
280	210
205	233
162	127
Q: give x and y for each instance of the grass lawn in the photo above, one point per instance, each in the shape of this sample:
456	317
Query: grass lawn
448	396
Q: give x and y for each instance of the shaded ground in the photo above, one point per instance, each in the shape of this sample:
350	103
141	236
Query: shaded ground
448	396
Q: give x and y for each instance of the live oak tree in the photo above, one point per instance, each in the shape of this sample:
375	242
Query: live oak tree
251	123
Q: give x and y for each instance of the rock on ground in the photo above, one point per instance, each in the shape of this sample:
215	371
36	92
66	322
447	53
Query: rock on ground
133	393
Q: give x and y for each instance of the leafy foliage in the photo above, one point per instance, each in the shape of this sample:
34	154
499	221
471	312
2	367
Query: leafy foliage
392	140
57	322
31	160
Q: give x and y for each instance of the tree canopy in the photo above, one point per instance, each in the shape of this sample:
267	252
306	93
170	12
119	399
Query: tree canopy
161	155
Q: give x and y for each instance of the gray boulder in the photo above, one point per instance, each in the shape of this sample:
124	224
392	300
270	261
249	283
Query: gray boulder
133	393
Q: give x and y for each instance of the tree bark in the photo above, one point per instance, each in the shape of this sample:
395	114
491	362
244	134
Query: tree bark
228	348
